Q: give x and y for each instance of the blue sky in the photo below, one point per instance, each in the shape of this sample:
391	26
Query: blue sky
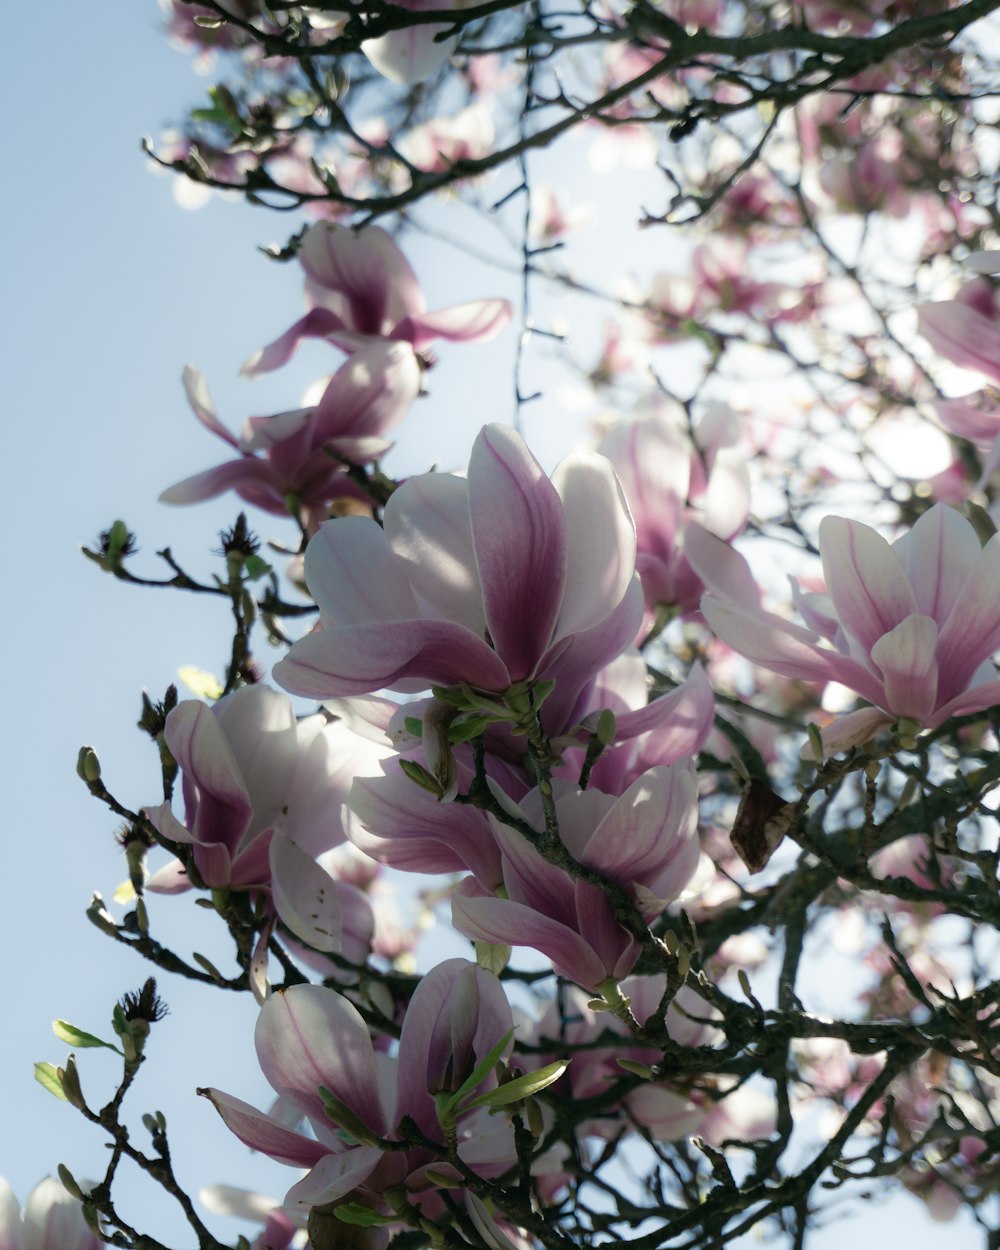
109	290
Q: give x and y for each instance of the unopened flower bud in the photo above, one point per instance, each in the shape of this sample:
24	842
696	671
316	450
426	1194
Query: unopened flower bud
88	766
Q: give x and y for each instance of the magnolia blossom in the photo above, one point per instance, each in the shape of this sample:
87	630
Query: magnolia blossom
309	1037
668	479
910	627
294	461
360	287
249	769
645	840
967	331
499	578
51	1220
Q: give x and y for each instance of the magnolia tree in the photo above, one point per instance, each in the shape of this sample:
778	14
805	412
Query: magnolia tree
654	781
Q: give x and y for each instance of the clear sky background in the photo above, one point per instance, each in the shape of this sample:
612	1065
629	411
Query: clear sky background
109	289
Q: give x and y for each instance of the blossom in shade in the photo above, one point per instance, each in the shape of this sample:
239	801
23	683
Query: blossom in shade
668	479
295	461
645	840
910	627
249	769
310	1038
498	578
359	287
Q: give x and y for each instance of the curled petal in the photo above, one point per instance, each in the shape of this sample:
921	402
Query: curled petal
261	1132
474	322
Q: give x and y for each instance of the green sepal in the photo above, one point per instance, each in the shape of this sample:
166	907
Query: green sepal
256	566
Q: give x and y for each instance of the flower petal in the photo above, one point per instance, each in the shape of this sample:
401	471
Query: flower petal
906	657
308	1036
866	580
519	533
600	541
428	528
261	1132
474	322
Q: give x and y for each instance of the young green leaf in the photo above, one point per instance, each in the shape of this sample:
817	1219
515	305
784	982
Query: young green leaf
47	1076
73	1036
521	1086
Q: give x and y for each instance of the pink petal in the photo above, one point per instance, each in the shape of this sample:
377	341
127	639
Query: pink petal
962	334
308	1036
971	634
784	648
410	56
940	551
318	323
197	743
600	541
519	533
474	322
678	723
408	829
305	896
427	526
648	836
501	921
851	731
354	575
260	1132
975	699
334	1176
723	571
905	656
200	399
358	659
361	275
369	394
232	475
866	580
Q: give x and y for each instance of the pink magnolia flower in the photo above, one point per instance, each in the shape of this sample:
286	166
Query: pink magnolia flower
51	1220
668	480
967	331
360	287
499	578
293	461
646	840
249	769
309	1037
910	627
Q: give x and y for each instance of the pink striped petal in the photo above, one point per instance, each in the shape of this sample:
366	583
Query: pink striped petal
354	575
963	335
971	634
600	542
360	275
940	552
475	322
335	1176
260	1132
648	836
722	570
318	323
678	723
975	699
905	656
197	743
866	580
503	922
519	534
411	655
427	526
369	394
784	648
233	475
308	1036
